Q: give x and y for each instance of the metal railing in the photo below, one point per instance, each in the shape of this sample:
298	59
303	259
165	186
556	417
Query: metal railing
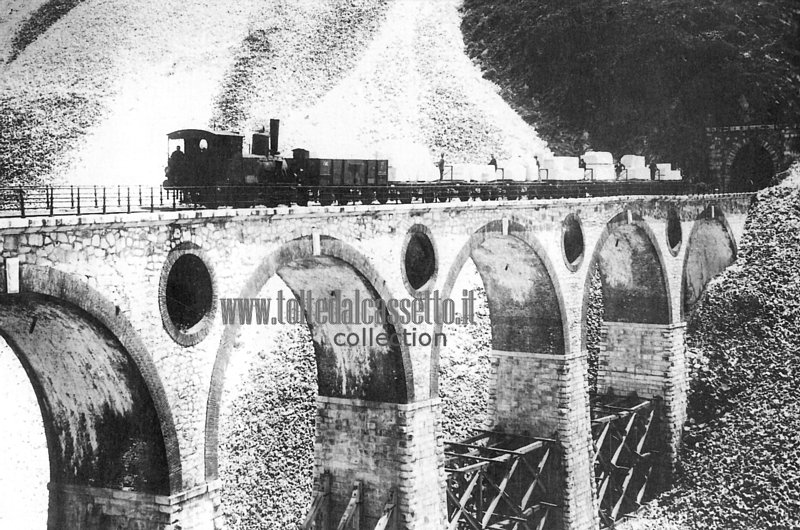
79	200
59	200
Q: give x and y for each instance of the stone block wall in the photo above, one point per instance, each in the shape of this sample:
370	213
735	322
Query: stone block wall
89	508
385	446
781	141
648	359
545	395
634	358
574	434
524	392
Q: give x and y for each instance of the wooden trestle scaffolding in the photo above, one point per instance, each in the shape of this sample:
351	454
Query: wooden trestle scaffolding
500	481
626	452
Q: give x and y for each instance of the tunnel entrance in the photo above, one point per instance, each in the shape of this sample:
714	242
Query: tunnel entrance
752	169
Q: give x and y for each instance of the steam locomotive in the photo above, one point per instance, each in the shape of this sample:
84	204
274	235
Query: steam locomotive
210	169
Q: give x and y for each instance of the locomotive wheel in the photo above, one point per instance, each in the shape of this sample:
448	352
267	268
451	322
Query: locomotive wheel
512	193
444	194
383	195
347	196
485	194
428	195
367	196
326	197
405	195
463	193
302	197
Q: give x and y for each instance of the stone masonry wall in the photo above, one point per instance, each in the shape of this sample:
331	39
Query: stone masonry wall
634	358
524	392
385	446
650	360
88	508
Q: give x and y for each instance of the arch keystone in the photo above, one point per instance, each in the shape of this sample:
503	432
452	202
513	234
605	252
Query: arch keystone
316	246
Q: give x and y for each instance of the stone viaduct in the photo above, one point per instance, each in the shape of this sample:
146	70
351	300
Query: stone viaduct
116	321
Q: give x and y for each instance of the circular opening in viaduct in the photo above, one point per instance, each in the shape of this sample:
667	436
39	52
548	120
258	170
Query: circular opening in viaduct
674	232
187	296
572	242
419	259
189	292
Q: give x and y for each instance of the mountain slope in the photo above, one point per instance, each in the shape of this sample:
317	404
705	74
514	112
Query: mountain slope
346	77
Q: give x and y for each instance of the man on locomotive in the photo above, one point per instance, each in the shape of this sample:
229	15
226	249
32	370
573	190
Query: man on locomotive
176	167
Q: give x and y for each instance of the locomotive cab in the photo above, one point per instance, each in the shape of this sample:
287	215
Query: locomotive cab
205	157
200	157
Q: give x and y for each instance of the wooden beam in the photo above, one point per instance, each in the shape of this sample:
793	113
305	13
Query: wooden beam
352	514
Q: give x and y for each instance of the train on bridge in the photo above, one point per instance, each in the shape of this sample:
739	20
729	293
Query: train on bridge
209	168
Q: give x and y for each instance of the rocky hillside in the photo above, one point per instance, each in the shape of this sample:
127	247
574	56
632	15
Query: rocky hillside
89	88
741	460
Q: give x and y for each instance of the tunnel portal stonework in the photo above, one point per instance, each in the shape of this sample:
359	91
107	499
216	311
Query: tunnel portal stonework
781	143
159	377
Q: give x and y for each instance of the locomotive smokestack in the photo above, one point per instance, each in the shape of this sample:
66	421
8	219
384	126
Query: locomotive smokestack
274	126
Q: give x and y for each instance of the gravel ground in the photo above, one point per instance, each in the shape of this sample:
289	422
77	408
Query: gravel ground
12	14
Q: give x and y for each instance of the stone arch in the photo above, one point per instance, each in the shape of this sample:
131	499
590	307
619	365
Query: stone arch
106	416
710	249
640	347
635	287
387	373
529	333
756	144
